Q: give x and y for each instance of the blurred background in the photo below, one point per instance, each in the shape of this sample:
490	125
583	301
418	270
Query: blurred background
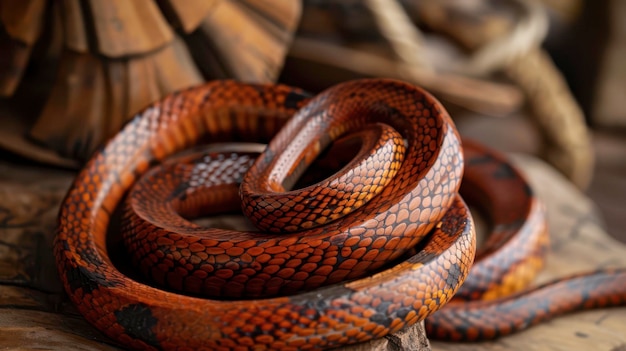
545	77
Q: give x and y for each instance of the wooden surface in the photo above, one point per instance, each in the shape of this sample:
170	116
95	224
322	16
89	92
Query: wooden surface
36	313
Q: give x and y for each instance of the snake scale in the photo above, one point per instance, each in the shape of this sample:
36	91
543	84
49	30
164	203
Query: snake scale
376	247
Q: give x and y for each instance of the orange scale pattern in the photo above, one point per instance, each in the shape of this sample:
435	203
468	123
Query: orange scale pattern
381	245
323	311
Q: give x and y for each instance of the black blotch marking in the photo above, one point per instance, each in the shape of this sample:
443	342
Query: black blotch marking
268	155
313	314
504	171
450	225
402	312
138	323
423	257
294	98
453	274
180	192
581	335
479	160
381	318
81	277
528	190
76	279
254	332
383	307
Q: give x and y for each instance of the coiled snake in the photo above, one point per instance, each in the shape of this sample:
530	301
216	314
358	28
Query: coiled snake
378	246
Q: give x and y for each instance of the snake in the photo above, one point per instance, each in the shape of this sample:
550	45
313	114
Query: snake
497	298
382	244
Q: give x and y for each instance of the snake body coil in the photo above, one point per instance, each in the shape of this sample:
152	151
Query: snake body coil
418	197
334	263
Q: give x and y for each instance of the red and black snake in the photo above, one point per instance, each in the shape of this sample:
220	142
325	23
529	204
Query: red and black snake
378	246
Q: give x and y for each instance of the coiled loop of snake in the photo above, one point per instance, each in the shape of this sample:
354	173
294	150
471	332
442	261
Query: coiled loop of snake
497	298
421	194
232	264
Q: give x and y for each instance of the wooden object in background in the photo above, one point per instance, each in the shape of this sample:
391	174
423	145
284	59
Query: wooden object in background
476	55
608	105
112	58
22	24
518	54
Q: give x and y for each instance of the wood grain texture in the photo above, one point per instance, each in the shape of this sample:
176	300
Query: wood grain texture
189	13
75	36
14	59
22	20
251	43
125	28
79	118
20	27
108	59
35	313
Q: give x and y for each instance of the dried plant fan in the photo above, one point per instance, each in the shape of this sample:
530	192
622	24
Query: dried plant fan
110	58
